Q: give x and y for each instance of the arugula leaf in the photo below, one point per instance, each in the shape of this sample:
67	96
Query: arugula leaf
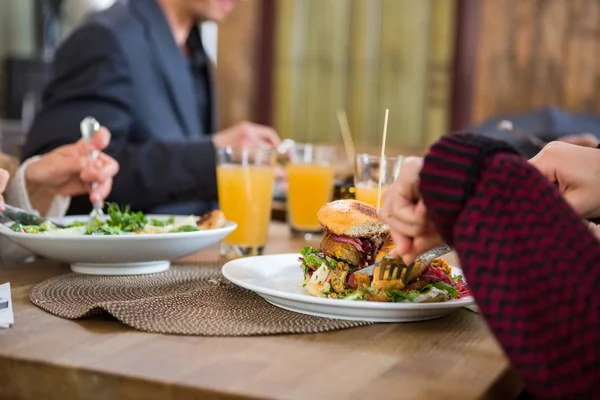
28	228
356	295
397	296
17	227
106	230
125	219
452	292
185	228
307	250
156	222
76	223
456	278
313	259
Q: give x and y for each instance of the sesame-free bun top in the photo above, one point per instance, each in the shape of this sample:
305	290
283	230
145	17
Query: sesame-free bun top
351	218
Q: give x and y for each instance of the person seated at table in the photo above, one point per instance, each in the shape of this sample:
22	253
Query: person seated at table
140	68
547	124
43	184
525	249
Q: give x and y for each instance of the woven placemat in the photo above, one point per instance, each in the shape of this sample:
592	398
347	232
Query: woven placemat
185	300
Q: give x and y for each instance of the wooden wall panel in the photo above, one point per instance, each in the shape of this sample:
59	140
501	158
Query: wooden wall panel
236	63
364	56
534	53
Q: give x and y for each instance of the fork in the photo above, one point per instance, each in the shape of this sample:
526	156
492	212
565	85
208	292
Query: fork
393	267
88	127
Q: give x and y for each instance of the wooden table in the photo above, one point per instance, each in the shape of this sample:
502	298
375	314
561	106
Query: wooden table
45	357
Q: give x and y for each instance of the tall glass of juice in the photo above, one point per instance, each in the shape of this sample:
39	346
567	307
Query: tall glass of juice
311	182
245	179
366	176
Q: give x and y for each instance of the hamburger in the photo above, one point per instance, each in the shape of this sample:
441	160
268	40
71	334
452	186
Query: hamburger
355	238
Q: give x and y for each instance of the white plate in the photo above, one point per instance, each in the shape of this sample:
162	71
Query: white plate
278	279
118	255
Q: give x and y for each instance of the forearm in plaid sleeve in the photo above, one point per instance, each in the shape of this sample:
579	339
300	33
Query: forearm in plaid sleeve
531	262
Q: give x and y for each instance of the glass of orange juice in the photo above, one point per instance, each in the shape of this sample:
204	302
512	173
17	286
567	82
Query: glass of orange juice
310	184
245	179
366	176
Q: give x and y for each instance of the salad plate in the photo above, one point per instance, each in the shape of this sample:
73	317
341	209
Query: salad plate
279	280
99	248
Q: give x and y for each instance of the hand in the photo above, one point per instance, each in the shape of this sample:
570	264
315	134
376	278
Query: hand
3	182
576	172
581	139
69	171
247	134
405	213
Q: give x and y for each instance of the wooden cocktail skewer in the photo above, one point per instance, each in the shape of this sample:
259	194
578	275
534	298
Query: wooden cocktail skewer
382	159
346	136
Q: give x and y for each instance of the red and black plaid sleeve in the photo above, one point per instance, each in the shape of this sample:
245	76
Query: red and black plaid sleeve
531	262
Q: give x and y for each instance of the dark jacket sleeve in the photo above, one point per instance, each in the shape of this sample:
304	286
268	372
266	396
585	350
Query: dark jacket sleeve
530	261
92	78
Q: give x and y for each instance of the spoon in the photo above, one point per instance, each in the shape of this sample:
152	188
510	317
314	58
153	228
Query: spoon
88	127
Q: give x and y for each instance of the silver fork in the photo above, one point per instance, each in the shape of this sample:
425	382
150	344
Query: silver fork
88	127
392	267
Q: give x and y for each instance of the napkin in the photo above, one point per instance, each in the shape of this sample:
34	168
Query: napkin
7	319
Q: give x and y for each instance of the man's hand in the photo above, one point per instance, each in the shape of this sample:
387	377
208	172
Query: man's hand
581	139
247	134
3	182
69	171
405	213
576	172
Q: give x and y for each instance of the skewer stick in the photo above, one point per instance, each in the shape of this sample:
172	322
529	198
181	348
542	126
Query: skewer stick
382	159
346	136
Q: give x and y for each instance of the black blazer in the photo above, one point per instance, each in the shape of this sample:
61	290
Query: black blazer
123	68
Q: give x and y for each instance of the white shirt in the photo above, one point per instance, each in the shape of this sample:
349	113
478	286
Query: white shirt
16	195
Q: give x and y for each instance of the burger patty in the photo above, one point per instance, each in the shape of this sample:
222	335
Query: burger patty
342	251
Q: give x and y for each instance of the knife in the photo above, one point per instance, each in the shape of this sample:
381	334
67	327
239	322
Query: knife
23	217
424	258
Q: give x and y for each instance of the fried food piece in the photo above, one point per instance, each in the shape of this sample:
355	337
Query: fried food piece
338	277
342	251
363	281
438	262
385	284
212	220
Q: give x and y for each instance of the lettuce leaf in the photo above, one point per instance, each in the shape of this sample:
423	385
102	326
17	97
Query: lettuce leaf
314	259
452	292
399	296
356	295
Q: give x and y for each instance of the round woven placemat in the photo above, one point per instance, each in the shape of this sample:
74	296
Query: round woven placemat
185	300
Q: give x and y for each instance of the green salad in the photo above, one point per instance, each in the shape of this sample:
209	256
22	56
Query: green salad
119	221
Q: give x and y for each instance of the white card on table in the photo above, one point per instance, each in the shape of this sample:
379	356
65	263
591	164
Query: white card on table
7	318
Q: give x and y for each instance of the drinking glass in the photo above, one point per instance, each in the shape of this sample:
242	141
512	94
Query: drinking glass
366	176
310	185
245	179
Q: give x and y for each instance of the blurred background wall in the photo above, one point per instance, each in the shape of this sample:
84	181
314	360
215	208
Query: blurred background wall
533	53
436	64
